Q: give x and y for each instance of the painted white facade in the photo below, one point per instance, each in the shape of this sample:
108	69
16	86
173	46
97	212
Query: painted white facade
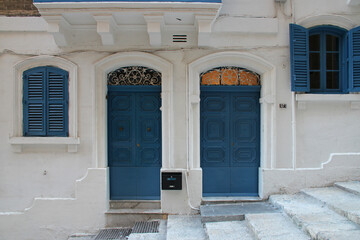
314	141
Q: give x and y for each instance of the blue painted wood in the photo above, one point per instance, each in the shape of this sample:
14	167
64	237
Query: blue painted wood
57	102
299	58
230	140
76	1
134	142
340	33
45	102
354	60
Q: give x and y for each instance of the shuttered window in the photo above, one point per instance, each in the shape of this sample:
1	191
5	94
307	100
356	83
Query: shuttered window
45	102
324	59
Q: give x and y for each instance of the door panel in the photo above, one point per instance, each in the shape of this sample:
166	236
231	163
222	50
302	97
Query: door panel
134	141
230	142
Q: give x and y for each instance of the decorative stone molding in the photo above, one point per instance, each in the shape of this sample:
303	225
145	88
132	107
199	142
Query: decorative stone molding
16	139
335	20
268	124
116	61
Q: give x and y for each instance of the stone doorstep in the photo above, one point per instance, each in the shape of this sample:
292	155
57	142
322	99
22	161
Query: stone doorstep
136	204
233	212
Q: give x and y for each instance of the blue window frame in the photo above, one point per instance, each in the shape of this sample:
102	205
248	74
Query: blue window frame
45	102
325	59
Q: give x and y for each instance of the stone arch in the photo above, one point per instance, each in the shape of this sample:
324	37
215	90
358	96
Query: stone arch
244	60
116	61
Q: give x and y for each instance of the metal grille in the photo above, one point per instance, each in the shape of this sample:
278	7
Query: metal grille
180	38
134	75
146	227
113	234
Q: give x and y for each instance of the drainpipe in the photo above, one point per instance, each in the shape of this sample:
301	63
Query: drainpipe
293	125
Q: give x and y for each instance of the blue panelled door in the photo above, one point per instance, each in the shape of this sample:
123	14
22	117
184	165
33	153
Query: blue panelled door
134	142
230	140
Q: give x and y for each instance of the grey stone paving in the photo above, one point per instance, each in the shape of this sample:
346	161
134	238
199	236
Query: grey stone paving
232	230
274	226
344	203
185	227
233	212
315	218
353	187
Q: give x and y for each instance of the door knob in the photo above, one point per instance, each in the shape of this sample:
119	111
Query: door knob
148	129
121	129
138	145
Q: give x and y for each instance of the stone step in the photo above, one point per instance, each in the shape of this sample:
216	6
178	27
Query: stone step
232	230
316	218
233	212
161	235
274	226
228	200
342	202
135	204
185	227
352	187
128	217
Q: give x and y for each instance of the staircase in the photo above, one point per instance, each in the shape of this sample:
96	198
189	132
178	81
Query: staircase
331	213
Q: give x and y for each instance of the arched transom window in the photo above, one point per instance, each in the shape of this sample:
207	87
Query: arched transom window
235	76
133	76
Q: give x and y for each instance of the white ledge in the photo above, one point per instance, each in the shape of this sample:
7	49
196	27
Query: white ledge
306	97
71	142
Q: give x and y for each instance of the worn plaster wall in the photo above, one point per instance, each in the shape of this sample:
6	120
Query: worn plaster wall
321	128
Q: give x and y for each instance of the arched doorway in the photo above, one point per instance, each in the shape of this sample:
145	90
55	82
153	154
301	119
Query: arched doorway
230	131
134	133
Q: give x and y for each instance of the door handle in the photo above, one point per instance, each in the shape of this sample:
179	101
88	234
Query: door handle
121	129
148	129
138	145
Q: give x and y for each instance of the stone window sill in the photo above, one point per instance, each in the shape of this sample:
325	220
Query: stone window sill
71	142
303	98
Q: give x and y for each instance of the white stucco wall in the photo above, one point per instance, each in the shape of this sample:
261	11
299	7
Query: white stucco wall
310	143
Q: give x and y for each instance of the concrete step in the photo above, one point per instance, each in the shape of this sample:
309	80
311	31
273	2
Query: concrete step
274	226
316	218
233	212
128	217
185	227
135	204
81	236
228	200
161	235
352	187
232	230
342	202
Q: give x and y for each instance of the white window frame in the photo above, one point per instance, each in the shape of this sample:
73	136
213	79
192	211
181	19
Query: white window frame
16	139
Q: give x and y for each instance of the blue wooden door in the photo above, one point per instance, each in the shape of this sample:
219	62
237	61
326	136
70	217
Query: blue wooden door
134	142
230	140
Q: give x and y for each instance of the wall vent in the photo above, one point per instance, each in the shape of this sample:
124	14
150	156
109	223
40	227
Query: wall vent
177	38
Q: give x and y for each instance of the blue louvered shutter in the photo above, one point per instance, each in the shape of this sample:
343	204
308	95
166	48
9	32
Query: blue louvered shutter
299	56
34	100
57	102
354	60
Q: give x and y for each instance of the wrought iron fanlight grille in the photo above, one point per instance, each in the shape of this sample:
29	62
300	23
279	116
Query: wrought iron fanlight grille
235	76
133	76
